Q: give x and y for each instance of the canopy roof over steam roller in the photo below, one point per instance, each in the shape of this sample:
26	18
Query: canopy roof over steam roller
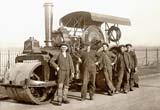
81	19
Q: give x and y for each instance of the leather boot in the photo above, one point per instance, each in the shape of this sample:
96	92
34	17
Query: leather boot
65	93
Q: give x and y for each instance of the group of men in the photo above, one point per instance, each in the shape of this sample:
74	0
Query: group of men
118	70
126	67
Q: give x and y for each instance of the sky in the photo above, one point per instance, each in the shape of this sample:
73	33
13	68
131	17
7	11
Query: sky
21	19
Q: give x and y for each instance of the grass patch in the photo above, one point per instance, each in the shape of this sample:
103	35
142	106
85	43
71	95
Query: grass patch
149	69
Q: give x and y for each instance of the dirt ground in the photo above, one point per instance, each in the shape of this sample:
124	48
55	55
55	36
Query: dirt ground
144	98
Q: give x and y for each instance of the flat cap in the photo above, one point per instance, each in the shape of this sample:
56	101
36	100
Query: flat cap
105	44
128	45
120	46
64	44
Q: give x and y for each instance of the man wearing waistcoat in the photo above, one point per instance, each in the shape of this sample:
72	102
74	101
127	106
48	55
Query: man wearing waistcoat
65	68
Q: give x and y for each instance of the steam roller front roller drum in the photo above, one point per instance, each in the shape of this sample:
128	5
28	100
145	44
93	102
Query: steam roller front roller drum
21	72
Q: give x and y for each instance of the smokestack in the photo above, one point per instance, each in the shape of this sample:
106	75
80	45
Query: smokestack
48	23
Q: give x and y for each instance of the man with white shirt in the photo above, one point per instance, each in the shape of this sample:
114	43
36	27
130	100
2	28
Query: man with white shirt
64	67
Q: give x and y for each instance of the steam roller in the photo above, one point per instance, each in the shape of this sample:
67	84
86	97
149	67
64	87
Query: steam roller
32	79
25	82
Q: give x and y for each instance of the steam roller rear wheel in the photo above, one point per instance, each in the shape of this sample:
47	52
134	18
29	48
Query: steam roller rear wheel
18	75
100	81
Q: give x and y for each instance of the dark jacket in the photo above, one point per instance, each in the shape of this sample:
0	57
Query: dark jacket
123	62
129	59
112	56
104	60
133	58
88	59
63	63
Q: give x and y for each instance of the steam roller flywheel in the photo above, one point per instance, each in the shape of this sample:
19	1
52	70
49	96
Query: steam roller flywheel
92	34
25	83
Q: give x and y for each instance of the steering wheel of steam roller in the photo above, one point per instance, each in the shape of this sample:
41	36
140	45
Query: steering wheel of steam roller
111	36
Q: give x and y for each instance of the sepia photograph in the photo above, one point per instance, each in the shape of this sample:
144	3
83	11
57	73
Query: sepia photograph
79	55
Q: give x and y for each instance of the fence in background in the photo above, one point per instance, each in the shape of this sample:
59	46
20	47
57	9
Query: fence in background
148	56
7	59
145	57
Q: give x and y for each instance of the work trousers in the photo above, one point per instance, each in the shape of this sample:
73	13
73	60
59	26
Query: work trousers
89	76
123	77
63	84
108	80
131	79
109	69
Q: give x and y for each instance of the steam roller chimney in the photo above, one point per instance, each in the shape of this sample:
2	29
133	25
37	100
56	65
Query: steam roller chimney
48	23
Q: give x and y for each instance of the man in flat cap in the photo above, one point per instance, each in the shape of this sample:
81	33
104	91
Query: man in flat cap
65	68
105	64
112	57
88	70
133	64
123	70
